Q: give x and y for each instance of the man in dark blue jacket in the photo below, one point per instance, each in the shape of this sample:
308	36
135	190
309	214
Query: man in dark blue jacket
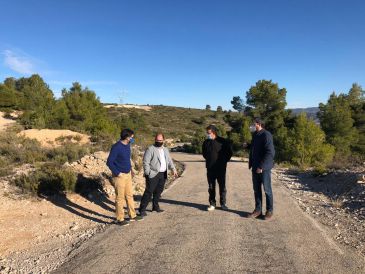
261	161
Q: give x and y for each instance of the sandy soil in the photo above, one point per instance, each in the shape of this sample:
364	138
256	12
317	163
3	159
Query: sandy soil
5	122
55	137
147	108
32	221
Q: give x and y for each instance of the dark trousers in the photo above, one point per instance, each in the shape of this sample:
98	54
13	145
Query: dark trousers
154	187
258	180
220	177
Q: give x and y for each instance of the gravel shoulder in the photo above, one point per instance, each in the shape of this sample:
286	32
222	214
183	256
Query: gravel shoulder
336	201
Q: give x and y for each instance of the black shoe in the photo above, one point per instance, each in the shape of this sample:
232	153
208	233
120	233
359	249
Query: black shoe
137	218
122	223
142	213
224	207
158	210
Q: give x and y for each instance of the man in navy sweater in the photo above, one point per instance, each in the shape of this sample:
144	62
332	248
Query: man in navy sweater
119	162
261	161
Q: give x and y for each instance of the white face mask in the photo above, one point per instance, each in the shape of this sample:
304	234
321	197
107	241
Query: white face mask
252	128
209	137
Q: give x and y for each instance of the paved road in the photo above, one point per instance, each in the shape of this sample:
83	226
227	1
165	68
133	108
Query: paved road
188	239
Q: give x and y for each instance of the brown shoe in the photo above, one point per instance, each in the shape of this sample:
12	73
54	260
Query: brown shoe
268	215
254	214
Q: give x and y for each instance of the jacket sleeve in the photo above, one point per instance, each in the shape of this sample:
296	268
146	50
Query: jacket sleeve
204	149
269	152
170	161
250	159
229	151
146	161
250	148
111	159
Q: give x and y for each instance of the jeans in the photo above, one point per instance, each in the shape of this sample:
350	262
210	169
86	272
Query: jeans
220	177
264	179
154	187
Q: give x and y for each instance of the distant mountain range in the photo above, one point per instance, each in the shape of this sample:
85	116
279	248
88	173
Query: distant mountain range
311	112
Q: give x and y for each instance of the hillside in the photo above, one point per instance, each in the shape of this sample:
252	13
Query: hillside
311	112
176	123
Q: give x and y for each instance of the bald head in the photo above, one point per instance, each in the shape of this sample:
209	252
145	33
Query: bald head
159	139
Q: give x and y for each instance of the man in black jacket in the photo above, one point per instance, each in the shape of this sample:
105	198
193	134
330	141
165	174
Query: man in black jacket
261	161
216	152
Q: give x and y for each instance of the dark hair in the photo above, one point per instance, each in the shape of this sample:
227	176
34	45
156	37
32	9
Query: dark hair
126	133
213	128
160	133
259	121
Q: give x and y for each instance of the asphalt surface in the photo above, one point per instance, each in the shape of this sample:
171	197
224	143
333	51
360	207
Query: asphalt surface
186	238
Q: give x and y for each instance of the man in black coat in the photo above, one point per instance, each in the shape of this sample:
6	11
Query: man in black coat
216	152
261	161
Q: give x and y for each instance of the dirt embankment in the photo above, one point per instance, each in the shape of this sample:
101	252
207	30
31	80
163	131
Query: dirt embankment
55	137
4	122
146	108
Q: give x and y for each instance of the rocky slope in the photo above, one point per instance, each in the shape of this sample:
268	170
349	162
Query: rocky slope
337	200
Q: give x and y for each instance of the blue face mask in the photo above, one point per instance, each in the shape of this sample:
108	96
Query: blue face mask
209	137
131	140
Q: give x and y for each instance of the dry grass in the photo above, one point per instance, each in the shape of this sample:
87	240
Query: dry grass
337	202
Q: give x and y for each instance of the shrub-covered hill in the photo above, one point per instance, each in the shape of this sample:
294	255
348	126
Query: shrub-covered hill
180	124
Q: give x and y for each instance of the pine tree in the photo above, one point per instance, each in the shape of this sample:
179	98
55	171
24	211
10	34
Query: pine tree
356	98
267	101
336	121
308	147
237	103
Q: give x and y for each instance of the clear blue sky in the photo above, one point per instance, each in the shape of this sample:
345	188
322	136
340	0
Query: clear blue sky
186	52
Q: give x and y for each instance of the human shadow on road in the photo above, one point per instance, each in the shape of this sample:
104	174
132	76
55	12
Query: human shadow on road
202	207
183	203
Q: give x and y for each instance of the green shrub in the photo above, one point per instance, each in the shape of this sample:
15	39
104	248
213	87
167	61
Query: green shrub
48	180
308	147
199	121
68	153
196	143
20	150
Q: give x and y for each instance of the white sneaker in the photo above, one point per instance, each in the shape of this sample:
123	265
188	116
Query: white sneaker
211	208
